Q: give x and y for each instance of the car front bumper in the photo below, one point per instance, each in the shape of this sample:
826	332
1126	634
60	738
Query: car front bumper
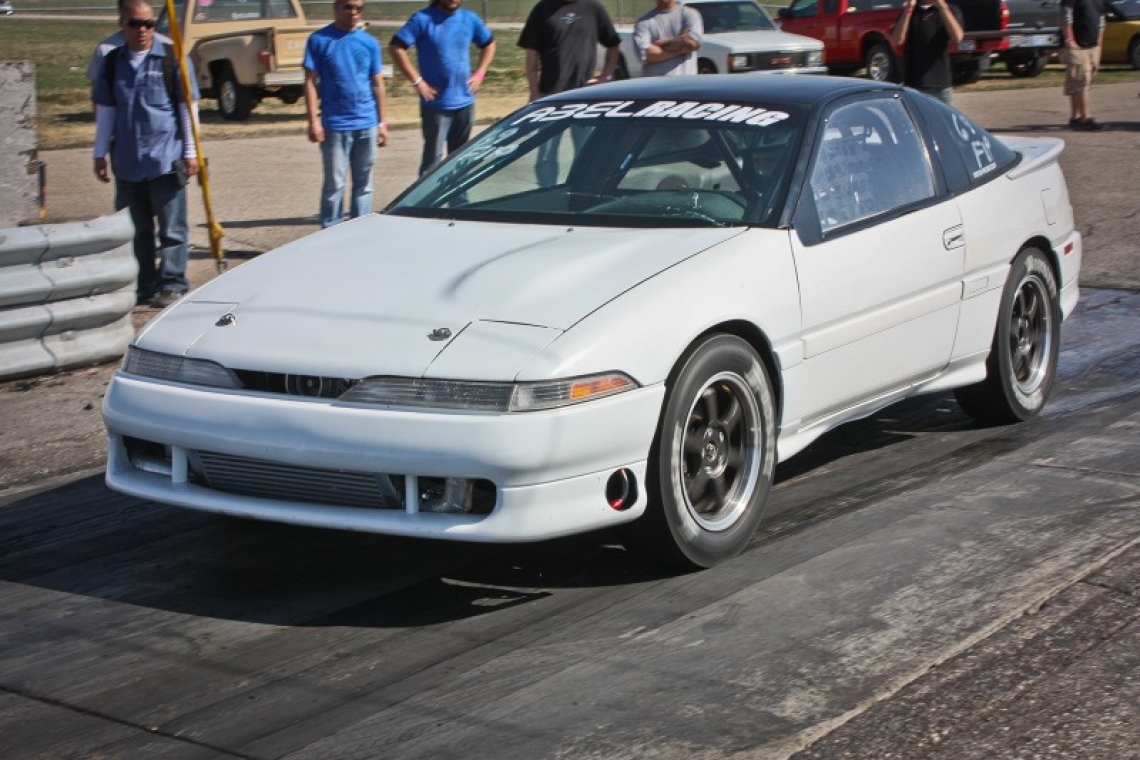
549	469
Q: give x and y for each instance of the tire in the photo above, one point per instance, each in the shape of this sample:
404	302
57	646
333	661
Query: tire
967	73
1026	66
879	63
621	70
705	66
235	100
1134	53
712	462
1023	358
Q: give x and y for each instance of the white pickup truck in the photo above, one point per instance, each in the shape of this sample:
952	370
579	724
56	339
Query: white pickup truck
740	37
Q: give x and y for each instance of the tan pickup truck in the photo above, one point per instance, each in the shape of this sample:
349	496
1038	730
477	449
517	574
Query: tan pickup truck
244	50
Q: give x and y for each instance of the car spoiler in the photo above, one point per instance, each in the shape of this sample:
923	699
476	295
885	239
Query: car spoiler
1036	153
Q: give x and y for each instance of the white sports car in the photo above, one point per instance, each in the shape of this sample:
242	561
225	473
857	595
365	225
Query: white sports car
619	306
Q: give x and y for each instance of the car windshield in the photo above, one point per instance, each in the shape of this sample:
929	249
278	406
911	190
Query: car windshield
224	11
618	163
733	17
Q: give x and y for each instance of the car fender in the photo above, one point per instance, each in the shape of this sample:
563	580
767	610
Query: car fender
749	279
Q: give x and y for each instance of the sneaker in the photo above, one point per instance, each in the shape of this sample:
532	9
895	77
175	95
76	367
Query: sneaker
144	299
1086	125
165	298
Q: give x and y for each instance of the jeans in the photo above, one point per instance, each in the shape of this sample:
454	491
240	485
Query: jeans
546	161
340	151
440	127
162	199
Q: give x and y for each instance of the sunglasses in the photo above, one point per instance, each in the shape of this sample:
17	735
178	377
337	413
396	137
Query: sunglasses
141	23
352	8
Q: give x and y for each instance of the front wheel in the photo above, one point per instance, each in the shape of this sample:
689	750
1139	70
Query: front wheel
1023	359
705	66
879	63
712	463
1134	52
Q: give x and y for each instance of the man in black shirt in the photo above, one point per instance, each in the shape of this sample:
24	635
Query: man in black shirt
926	32
1082	31
561	39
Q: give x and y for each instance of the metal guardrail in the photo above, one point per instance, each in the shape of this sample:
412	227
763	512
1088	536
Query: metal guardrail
66	294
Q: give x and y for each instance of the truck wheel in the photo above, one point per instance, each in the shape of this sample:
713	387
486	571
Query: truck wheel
967	73
621	71
235	100
705	66
1026	65
879	63
1134	52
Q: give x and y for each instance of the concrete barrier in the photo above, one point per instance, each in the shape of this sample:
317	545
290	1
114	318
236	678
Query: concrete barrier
66	294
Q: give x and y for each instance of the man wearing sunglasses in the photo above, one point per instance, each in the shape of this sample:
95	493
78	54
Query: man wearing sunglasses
143	122
343	74
95	64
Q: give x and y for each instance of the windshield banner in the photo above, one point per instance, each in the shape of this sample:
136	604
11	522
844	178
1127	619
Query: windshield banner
662	109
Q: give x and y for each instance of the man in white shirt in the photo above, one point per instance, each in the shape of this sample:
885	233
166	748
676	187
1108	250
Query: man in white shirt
667	39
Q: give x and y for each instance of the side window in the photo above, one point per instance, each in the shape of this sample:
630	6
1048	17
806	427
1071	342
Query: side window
801	9
871	160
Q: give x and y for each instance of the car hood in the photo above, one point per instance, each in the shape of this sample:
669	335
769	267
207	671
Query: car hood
763	41
389	295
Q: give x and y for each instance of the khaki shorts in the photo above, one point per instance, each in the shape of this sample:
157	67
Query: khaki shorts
1081	65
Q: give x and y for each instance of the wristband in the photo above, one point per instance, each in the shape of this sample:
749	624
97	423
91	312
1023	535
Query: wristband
417	82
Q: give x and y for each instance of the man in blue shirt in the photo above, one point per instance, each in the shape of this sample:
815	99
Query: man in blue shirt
443	35
343	73
143	123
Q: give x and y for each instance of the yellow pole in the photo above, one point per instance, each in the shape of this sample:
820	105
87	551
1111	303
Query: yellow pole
215	228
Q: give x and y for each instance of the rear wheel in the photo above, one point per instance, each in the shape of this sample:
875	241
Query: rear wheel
712	462
1023	359
1026	65
880	63
235	100
967	73
621	70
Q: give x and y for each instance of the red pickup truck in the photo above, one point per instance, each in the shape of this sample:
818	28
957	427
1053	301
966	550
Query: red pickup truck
856	34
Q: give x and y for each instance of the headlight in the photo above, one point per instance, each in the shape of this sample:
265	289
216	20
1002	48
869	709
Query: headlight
815	58
484	396
178	369
739	62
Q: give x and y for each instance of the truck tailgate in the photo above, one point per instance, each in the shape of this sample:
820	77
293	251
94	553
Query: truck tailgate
289	46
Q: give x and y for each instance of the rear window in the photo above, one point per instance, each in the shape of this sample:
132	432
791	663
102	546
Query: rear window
970	155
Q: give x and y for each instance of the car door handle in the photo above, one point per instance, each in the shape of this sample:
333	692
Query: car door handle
953	238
